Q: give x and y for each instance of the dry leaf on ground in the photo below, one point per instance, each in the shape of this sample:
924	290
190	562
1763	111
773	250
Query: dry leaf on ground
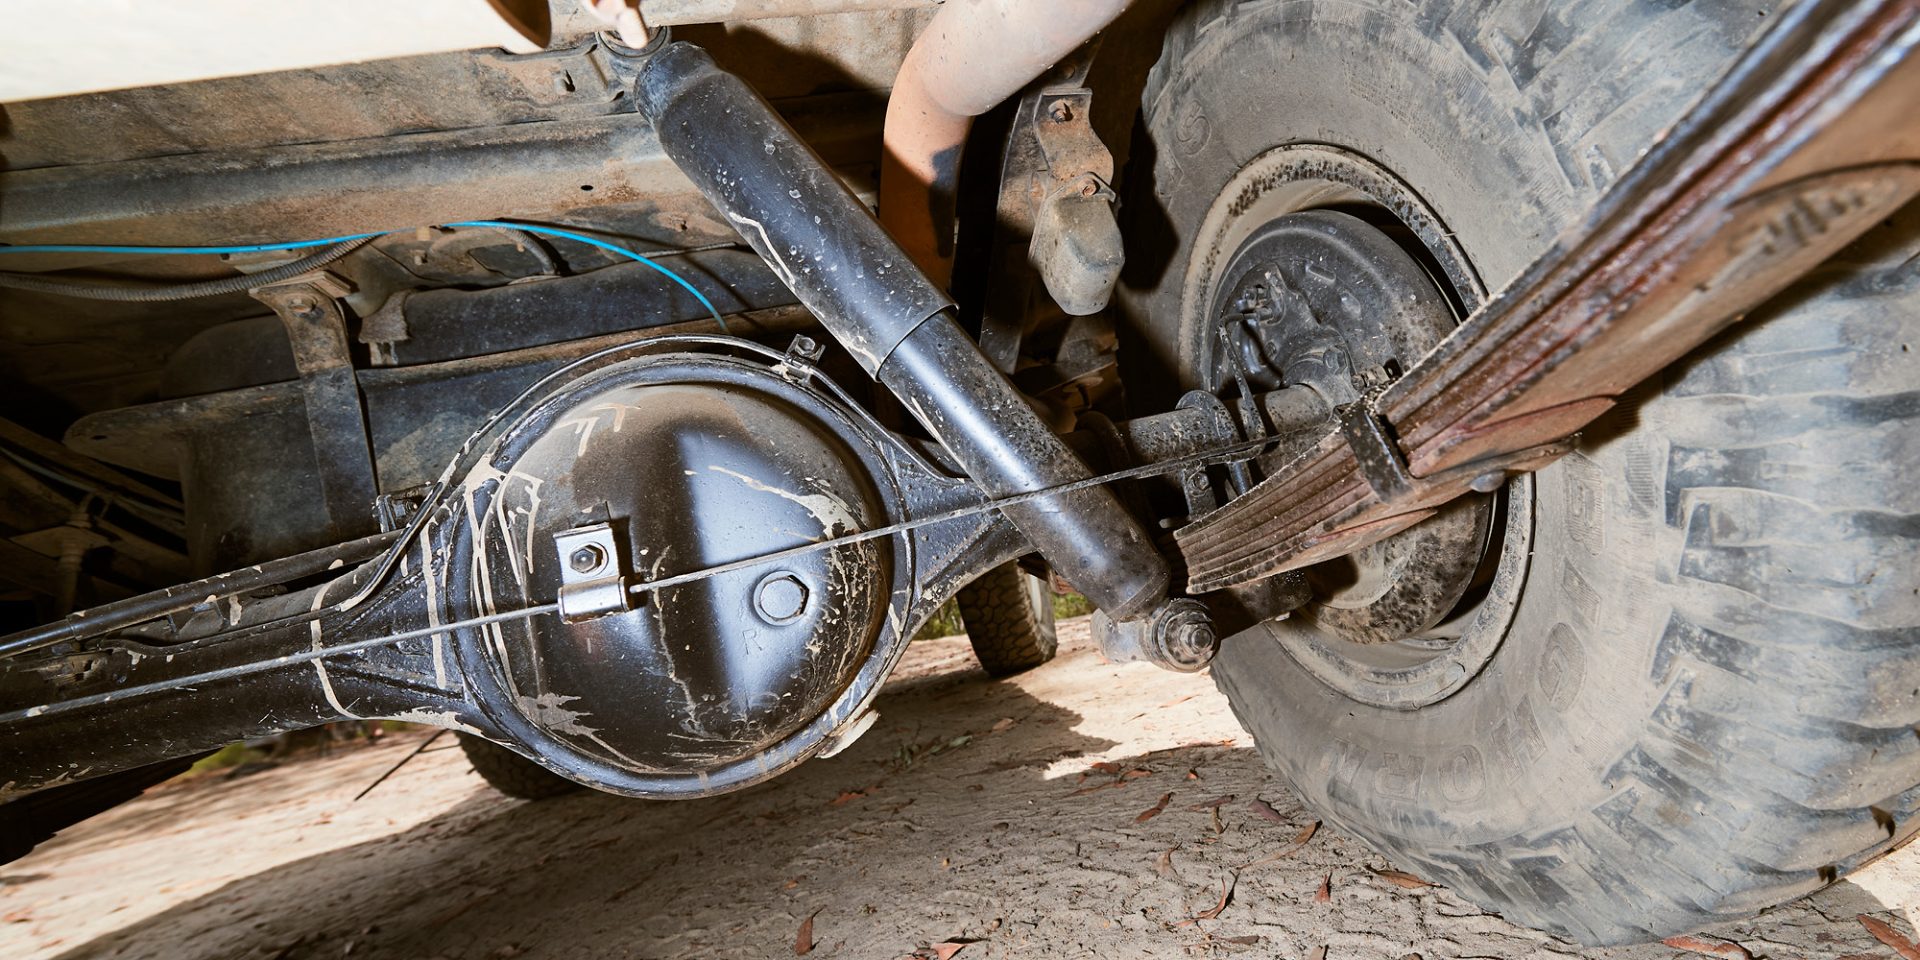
1405	881
1266	810
1216	802
1226	897
1155	810
1885	933
1708	947
1299	840
1325	893
803	941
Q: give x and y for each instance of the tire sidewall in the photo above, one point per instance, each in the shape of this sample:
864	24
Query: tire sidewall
1528	746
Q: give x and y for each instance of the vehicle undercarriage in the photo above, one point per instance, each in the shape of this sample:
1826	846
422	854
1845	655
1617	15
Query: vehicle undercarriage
629	403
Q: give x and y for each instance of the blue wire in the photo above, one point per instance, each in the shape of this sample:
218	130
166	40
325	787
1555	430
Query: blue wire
329	241
602	244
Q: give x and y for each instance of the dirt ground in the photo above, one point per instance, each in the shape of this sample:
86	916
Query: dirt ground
962	818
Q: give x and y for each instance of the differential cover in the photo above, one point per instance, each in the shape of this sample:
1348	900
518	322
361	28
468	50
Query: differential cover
693	467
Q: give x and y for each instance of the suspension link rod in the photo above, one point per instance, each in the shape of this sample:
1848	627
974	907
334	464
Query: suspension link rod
1811	138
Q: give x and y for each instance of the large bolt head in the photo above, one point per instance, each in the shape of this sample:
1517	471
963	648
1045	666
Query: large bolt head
780	598
1184	636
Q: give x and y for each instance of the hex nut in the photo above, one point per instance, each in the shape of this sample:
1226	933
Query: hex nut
587	559
780	598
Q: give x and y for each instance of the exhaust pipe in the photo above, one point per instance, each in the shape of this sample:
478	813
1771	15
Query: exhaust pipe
881	307
973	55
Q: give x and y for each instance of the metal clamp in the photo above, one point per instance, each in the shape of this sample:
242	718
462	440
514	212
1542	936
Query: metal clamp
1376	450
1384	464
802	359
591	582
309	308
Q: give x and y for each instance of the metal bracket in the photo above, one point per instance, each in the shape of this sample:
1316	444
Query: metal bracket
802	359
1076	245
1051	155
1376	450
1384	464
591	582
395	510
342	450
1062	126
1195	485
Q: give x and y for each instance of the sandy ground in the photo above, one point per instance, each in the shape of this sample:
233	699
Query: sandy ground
962	818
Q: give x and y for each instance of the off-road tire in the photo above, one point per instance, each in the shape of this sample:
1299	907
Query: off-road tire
511	773
1706	700
1009	618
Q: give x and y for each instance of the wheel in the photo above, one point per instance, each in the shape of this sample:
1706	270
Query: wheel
511	773
1009	617
1681	679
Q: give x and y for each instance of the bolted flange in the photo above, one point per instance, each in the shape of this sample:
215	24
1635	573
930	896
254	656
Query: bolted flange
1179	636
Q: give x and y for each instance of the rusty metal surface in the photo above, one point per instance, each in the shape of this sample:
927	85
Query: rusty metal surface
1007	300
539	170
661	13
336	416
576	79
442	91
1808	140
971	57
1076	247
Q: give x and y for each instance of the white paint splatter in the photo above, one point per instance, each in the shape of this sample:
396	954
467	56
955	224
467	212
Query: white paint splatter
832	513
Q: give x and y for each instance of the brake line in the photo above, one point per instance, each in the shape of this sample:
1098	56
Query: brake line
340	247
263	666
1225	453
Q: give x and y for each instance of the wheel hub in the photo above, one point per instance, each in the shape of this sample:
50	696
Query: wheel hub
1411	620
1325	300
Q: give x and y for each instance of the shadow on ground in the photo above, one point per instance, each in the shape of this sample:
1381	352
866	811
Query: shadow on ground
968	814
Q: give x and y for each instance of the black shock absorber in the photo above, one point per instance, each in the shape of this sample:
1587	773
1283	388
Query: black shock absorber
840	263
